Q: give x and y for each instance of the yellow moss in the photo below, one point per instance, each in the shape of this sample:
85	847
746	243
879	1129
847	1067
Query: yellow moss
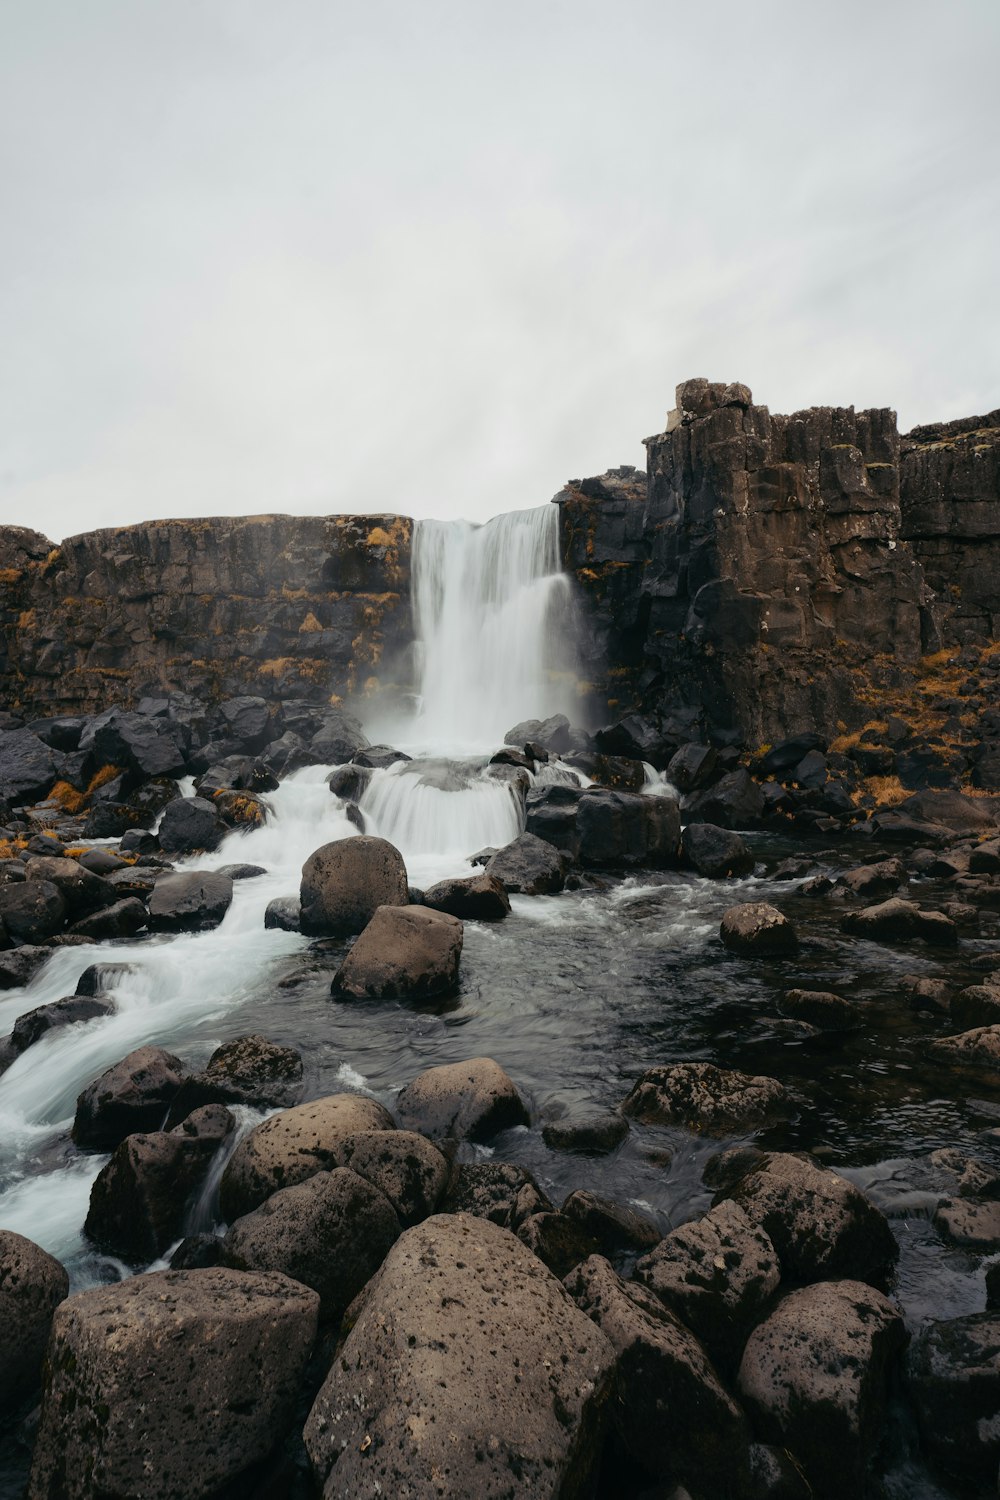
310	623
845	742
245	810
335	700
888	791
587	573
378	538
11	848
10	575
72	800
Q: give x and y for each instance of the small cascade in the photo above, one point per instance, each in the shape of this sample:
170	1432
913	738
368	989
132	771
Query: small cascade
438	812
493	624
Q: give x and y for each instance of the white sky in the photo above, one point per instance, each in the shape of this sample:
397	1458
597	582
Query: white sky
438	257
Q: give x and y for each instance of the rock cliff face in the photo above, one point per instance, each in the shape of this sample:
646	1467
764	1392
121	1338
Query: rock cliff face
284	606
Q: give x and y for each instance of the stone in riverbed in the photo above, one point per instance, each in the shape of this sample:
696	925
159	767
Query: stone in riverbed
625	829
702	1097
978	1048
613	1226
820	1008
34	1024
528	866
331	1233
975	1226
133	1094
953	1374
19	966
32	1284
284	914
32	910
123	919
190	901
976	1005
294	1145
496	1190
82	891
346	881
411	1172
896	920
715	852
471	1101
559	1241
594	1134
758	930
190	824
815	1375
217	1357
404	953
879	879
433	1392
477	898
248	1070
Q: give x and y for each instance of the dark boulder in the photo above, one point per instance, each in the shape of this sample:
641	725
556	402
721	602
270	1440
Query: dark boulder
870	881
559	1241
735	801
377	757
338	740
28	767
554	734
620	772
245	722
244	810
189	902
593	1133
32	1284
715	852
190	824
639	738
496	1190
898	921
346	881
32	910
476	898
142	745
411	1172
615	1228
35	1024
82	891
954	1379
693	767
528	866
19	967
133	1094
284	913
249	1070
782	758
704	1098
625	829
820	1008
349	782
123	919
471	1100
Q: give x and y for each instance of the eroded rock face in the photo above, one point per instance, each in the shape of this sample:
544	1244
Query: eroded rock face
815	1374
462	1101
32	1284
345	882
432	1391
953	1374
404	953
700	1096
218	1356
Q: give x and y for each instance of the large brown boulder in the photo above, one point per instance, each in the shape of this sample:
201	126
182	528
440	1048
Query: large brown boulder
167	1385
345	882
461	1101
702	1097
404	953
131	1095
331	1232
815	1376
294	1145
467	1372
32	1284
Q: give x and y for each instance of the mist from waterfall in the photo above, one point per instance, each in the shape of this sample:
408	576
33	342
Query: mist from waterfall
493	622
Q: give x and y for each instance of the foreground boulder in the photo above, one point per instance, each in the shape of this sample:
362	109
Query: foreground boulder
477	898
954	1379
671	1411
133	1094
758	930
467	1371
471	1101
190	901
821	1225
169	1384
292	1146
815	1376
31	910
529	866
702	1097
346	881
404	953
32	1284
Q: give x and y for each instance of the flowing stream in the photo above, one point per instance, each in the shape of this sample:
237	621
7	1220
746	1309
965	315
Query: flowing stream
575	995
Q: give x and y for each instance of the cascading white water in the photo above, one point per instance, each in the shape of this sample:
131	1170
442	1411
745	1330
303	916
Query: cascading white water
491	614
439	812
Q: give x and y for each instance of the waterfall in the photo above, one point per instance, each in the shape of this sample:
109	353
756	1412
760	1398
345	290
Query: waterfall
492	619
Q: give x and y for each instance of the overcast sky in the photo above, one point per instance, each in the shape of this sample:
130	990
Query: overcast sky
438	256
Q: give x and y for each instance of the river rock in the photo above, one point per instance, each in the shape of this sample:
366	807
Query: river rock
815	1375
248	1070
191	901
896	920
349	782
217	1357
103	978
625	829
412	1173
821	1225
528	866
19	967
717	1274
715	852
976	1005
870	881
595	1133
133	1094
471	1101
189	824
757	930
292	1146
615	1228
82	891
953	1374
500	1191
31	910
553	734
138	1199
702	1097
345	882
404	953
974	1226
35	1024
331	1232
284	913
32	1284
337	740
436	1392
984	859
735	801
671	1411
27	767
978	1048
559	1241
123	919
693	767
477	898
820	1008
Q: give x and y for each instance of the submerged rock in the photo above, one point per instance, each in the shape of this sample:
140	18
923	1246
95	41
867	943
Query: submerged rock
35	1024
594	1134
32	1284
433	1389
471	1100
700	1096
346	881
404	953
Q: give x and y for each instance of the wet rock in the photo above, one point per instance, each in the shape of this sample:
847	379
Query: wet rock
380	756
196	1251
82	891
985	858
190	824
559	1241
670	1409
292	1146
975	1226
820	1008
102	978
122	919
951	810
717	1274
404	953
693	767
933	995
218	1356
619	772
338	740
820	1224
870	881
896	920
614	1227
471	1101
32	1284
240	809
477	898
35	1024
758	930
284	913
595	1134
554	734
192	901
953	1374
978	1048
976	1005
132	1095
143	745
508	756
735	801
249	1070
18	968
783	758
138	1201
242	872
32	910
404	1166
331	1233
349	782
345	882
624	829
428	1368
528	866
246	722
496	1190
715	852
28	767
702	1097
551	815
815	1376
